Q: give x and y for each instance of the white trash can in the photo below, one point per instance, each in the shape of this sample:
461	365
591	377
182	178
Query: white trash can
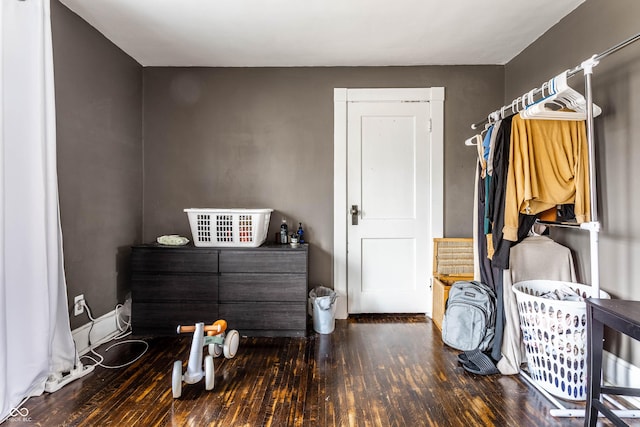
323	302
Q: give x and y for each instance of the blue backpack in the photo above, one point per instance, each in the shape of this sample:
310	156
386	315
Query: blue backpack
470	316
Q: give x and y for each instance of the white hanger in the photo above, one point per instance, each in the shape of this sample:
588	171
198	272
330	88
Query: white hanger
474	140
530	96
477	140
514	105
502	111
560	99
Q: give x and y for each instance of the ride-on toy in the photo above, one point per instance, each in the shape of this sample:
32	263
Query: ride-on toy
218	341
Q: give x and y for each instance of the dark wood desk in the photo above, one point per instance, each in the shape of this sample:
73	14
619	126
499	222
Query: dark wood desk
619	315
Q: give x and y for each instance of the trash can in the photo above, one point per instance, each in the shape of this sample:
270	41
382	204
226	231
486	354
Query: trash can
323	302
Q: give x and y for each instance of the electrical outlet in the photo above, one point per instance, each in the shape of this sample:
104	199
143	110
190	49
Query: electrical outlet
78	305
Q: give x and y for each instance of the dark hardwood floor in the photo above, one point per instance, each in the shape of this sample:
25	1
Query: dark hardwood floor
372	371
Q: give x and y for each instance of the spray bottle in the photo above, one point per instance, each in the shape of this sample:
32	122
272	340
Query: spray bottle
284	232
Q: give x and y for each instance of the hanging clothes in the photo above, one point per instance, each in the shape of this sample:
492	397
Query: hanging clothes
492	144
499	166
548	166
483	150
491	248
535	258
490	147
495	199
486	273
486	147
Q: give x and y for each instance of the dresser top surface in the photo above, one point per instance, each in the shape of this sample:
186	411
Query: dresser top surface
192	247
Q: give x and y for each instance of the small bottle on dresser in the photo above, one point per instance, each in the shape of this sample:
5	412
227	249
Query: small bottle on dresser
284	232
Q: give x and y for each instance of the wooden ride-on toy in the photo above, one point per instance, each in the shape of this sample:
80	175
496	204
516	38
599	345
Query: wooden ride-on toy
218	340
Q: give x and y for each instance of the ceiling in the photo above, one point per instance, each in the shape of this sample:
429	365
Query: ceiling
269	33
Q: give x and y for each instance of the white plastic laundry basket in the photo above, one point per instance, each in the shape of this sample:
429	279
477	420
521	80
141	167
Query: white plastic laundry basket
555	336
229	227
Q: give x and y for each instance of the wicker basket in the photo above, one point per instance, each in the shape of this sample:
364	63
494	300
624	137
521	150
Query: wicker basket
452	261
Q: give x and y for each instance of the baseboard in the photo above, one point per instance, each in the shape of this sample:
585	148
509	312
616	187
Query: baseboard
104	329
621	373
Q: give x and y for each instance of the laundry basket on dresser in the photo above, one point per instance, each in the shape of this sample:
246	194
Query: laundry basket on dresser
229	227
554	333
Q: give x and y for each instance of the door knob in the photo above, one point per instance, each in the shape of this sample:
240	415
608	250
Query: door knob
354	214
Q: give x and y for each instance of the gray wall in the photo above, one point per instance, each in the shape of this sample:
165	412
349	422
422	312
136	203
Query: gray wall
263	137
99	137
590	29
218	138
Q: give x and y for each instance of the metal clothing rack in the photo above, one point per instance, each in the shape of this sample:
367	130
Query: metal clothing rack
592	226
517	105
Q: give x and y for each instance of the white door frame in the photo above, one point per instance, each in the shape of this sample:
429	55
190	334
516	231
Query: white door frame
341	215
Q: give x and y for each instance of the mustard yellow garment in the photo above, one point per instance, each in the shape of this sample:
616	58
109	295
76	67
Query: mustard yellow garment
548	166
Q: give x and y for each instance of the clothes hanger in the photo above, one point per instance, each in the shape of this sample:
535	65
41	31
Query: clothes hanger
542	88
514	103
563	103
474	140
503	110
530	97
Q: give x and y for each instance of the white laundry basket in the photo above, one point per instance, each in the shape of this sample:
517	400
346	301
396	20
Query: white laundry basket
555	335
229	227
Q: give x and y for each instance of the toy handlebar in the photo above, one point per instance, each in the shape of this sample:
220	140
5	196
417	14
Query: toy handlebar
217	327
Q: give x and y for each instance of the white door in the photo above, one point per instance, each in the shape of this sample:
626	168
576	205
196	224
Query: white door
388	193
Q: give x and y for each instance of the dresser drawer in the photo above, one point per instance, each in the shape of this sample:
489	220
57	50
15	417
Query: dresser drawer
263	287
161	319
264	316
260	261
175	260
172	287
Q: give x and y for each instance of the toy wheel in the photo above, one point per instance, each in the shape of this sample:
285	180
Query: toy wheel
215	350
209	377
231	342
176	379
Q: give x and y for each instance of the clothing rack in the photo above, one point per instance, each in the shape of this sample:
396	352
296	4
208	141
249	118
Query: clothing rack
517	105
593	226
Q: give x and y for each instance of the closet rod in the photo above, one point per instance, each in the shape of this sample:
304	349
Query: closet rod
515	104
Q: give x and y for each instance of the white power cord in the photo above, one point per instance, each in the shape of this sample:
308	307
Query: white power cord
124	331
127	324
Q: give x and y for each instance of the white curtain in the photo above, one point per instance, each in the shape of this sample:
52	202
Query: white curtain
35	337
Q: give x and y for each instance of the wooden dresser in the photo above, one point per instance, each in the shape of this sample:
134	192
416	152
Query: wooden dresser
258	291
